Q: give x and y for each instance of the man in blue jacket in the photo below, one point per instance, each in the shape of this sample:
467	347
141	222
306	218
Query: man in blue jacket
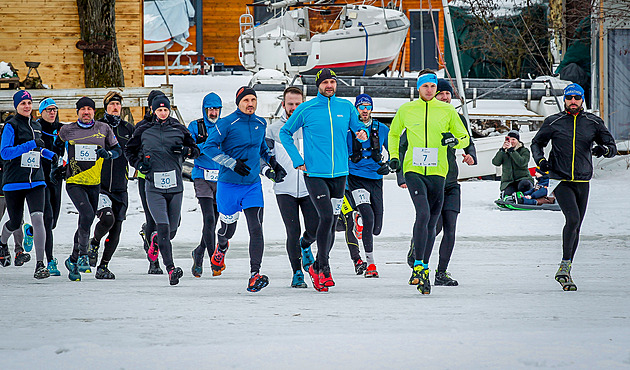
325	121
205	175
237	143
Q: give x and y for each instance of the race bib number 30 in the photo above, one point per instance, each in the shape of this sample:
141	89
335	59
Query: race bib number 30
425	157
31	159
165	180
85	153
211	175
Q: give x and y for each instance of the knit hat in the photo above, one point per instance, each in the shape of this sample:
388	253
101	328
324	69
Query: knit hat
324	74
363	99
85	102
112	96
574	89
160	101
20	96
514	134
444	85
152	96
242	92
48	102
427	77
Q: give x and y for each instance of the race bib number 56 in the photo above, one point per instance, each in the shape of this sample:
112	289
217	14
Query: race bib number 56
85	153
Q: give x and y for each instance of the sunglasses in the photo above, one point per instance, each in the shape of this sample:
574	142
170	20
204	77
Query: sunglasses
363	107
573	97
50	110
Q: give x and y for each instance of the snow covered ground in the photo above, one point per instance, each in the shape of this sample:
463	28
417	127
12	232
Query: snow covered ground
508	311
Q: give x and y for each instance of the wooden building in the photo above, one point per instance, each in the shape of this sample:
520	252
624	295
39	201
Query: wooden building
47	31
221	32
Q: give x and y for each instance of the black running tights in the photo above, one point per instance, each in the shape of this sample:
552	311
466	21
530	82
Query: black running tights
447	223
52	206
290	211
108	225
573	199
210	217
427	195
254	218
85	200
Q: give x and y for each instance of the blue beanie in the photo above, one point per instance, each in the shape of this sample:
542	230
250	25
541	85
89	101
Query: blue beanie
574	89
427	77
45	104
20	96
363	99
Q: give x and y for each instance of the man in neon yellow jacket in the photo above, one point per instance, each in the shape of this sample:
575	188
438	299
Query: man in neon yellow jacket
431	127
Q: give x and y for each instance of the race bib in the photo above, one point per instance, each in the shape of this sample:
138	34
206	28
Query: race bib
103	202
211	175
336	205
228	219
165	180
425	157
361	196
85	152
553	184
31	159
346	207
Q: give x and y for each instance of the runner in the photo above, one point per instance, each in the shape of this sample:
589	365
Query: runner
452	197
365	187
570	165
49	121
113	197
89	143
238	144
291	194
23	179
325	121
205	175
157	149
431	127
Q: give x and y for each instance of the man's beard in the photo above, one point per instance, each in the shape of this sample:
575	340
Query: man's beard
574	110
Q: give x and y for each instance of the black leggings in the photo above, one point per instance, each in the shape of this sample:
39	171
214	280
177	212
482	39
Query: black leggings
427	195
447	222
165	209
108	225
290	211
149	224
254	218
15	208
573	199
52	206
85	200
323	193
210	217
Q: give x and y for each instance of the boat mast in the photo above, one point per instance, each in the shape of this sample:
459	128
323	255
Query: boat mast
458	72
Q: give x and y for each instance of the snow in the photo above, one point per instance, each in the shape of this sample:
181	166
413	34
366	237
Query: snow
508	311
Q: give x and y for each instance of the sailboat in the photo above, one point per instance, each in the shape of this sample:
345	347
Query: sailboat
351	39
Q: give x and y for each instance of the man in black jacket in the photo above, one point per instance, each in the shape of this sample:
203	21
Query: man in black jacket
113	197
570	165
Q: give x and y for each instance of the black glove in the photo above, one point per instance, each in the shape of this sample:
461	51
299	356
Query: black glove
599	150
103	153
55	159
40	143
279	171
544	165
57	174
177	149
449	140
394	164
383	170
144	166
241	168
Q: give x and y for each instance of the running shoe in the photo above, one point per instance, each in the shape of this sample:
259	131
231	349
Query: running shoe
298	280
5	256
360	266
358	225
154	268
307	257
371	271
103	273
325	277
83	264
52	268
217	261
444	278
21	258
315	275
93	252
154	250
40	271
174	275
27	243
73	270
197	270
257	282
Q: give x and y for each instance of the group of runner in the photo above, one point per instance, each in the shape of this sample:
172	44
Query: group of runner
325	156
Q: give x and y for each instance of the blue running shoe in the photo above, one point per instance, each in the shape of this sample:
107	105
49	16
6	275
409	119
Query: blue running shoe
83	264
298	280
52	268
73	271
28	238
307	256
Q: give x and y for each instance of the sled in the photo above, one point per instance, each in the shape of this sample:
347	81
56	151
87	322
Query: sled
511	206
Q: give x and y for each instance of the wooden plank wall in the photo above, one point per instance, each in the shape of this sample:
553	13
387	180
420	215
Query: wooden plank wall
48	33
416	5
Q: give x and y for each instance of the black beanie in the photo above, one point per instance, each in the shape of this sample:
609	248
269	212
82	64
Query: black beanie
110	97
152	96
514	134
242	92
85	102
160	101
444	85
324	74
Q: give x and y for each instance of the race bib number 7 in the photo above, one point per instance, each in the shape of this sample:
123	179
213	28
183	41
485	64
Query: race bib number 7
165	180
425	157
30	159
85	153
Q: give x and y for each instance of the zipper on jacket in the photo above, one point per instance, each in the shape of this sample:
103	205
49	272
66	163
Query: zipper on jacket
426	128
573	158
30	174
332	140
